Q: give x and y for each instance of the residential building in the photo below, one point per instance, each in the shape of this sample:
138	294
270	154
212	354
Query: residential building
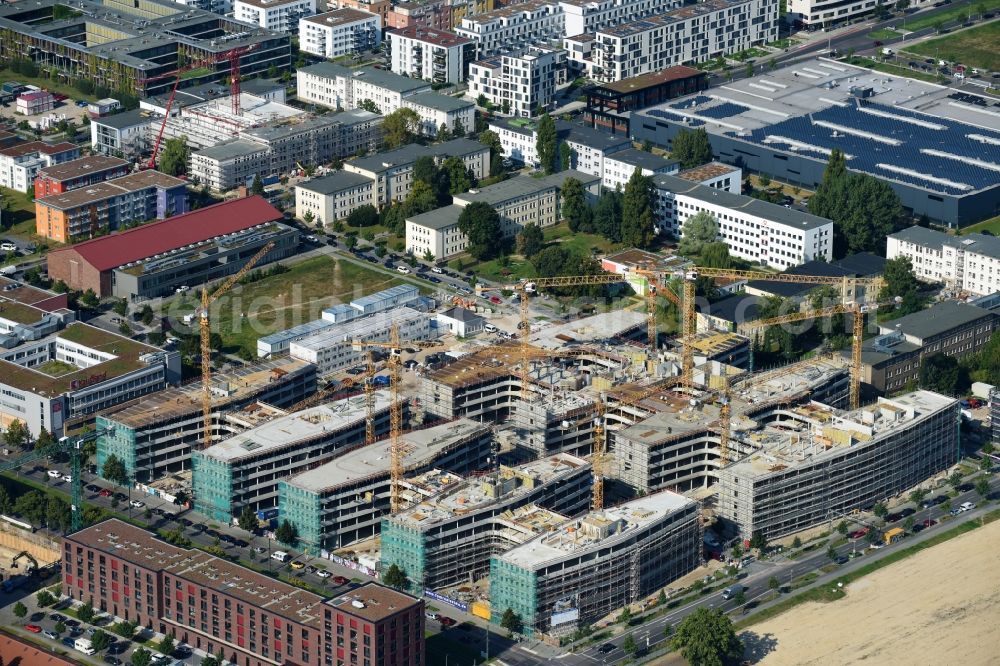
392	170
379	7
154	435
891	361
461	322
131	574
37	101
430	15
276	15
244	470
437	112
61	380
78	173
620	165
695	33
822	462
639	547
155	259
324	504
108	206
826	13
333	197
432	55
340	32
969	263
609	104
448	538
123	134
579	55
519	83
19	164
588	147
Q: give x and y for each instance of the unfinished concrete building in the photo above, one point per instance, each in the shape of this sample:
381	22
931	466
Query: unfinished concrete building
344	500
562	422
579	572
813	463
449	539
153	436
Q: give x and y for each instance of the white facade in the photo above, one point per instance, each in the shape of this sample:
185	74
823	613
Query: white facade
619	167
827	12
695	33
461	322
332	197
278	15
436	233
339	32
588	147
968	263
126	134
20	164
432	55
524	82
436	110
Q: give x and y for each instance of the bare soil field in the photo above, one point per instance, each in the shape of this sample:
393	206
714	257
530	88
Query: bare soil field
936	607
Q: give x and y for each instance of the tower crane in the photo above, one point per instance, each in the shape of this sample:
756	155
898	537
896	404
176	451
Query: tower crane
205	331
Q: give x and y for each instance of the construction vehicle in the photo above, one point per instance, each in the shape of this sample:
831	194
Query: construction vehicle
206	347
25	554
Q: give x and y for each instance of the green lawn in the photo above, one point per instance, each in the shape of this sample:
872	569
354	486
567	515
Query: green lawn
955	14
748	54
19	221
784	43
898	71
580	242
991	225
976	47
884	33
48	84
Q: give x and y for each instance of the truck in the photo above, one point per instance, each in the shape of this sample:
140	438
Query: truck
13	583
85	646
733	591
281	556
893	535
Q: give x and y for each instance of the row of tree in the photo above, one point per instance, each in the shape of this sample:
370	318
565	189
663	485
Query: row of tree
622	217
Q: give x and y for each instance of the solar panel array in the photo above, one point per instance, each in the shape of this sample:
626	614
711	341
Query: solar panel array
676	117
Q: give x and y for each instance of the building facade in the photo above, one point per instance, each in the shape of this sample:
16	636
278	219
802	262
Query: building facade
333	197
823	13
78	173
436	56
20	164
519	83
454	115
123	134
969	263
340	32
277	15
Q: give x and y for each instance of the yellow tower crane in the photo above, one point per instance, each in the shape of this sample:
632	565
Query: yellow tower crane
206	345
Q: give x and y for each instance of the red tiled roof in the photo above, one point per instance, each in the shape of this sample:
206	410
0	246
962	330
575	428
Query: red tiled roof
150	239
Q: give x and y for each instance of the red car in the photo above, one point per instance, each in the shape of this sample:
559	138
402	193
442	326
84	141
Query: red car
446	622
33	628
495	299
104	492
340	580
857	534
930	523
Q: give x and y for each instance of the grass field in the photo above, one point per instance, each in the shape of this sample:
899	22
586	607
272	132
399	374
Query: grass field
976	47
44	82
991	225
956	14
897	71
19	221
884	33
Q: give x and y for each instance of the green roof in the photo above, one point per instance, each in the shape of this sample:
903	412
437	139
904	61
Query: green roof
19	313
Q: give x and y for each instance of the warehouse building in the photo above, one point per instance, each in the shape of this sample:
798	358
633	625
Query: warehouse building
159	586
78	173
244	470
344	500
108	206
817	463
153	436
20	163
185	250
449	538
637	548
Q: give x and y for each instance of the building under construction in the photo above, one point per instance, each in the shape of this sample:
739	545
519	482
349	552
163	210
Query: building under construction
813	463
211	122
244	470
344	500
449	538
573	575
153	435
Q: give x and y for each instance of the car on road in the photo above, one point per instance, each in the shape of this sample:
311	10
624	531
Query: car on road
33	628
607	647
104	492
297	565
437	269
966	506
340	580
312	239
435	280
68	642
857	534
323	574
907	512
92	488
54	474
56	617
404	270
954	512
137	504
446	621
894	517
50	634
929	522
843	559
114	661
965	487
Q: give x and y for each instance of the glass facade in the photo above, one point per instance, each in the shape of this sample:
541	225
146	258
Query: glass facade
213	487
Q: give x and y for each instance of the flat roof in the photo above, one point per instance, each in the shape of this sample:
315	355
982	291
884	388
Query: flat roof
232	149
939	318
374	602
30	147
337	181
110	188
409	153
360	328
24	293
81	167
594	328
388	80
976	242
125	119
700	174
421	448
20	313
643	81
641	159
684	13
523	185
430	36
439	102
334	18
327	69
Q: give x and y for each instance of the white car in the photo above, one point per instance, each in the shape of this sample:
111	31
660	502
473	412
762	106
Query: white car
68	478
437	270
54	474
403	269
8	247
322	573
137	504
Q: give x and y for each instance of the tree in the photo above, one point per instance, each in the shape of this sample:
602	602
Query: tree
89	299
797	542
918	495
530	240
842	527
425	169
774	584
167	645
395	577
574	204
125	329
141	657
908	523
880	510
458	129
114	470
481	101
955	480
661	598
59	628
287	533
740	598
901	283
831	552
126	629
565	153
20	610
400	126
17	435
368	105
940	373
698	231
100	640
982	487
174	156
491	139
758	541
716	255
442	133
638	227
547	143
707	638
363	216
351	241
549	261
247	520
481	225
86	612
44	440
511	621
625	617
146	315
45	598
608	216
691	148
459	178
257	187
421	199
630	647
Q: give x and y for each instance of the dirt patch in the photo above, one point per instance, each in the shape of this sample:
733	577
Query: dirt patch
923	610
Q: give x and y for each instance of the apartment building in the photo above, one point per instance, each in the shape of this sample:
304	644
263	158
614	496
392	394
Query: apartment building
438	112
448	539
20	164
332	197
219	607
433	55
695	33
343	501
110	205
78	173
277	15
621	165
154	435
519	83
825	13
392	171
588	147
123	134
340	32
969	263
429	14
638	547
822	463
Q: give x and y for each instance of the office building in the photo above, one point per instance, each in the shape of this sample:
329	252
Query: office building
969	263
185	250
448	539
432	55
820	464
586	568
622	164
277	15
36	101
609	105
78	173
111	205
333	197
519	83
20	164
340	32
124	135
827	13
588	147
153	436
343	501
250	618
244	470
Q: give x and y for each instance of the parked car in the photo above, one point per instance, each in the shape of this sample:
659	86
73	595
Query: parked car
137	504
323	573
104	492
857	534
54	474
446	622
33	628
297	565
340	580
50	634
